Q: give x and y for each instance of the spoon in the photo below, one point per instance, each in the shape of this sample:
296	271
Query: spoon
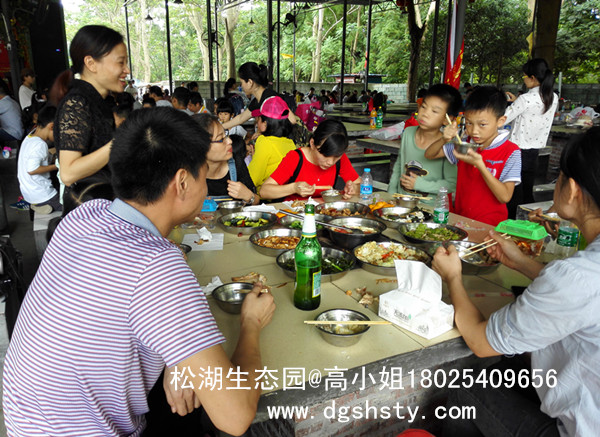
328	225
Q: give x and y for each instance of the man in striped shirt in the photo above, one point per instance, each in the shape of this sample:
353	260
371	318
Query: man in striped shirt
114	302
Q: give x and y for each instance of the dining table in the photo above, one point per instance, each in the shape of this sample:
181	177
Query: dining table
308	372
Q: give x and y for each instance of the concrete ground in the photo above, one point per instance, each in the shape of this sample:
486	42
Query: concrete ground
20	230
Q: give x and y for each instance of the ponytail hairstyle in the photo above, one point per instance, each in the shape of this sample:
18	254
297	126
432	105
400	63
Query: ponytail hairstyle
259	74
230	82
539	69
580	161
331	138
95	41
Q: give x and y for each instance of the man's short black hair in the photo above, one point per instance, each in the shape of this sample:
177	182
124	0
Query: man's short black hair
148	150
196	98
182	95
487	98
148	101
156	90
46	115
447	94
192	85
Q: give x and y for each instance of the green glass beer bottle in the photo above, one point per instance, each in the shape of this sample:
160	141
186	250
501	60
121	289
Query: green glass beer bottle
307	292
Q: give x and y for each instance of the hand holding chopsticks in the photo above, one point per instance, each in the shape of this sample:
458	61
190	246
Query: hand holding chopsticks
450	122
482	246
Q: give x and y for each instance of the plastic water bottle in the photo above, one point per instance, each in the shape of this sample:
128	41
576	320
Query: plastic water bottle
379	119
366	187
567	240
373	118
441	211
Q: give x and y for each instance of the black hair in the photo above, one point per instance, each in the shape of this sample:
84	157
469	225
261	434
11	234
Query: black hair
46	115
331	138
192	85
447	94
148	150
4	91
421	93
487	98
123	105
539	69
156	90
230	82
196	98
207	122
277	128
378	100
580	161
95	41
148	101
238	145
224	105
182	95
258	73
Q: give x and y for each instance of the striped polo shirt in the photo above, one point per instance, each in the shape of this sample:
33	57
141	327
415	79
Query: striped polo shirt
111	304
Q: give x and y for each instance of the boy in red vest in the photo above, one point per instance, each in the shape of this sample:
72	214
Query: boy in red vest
487	176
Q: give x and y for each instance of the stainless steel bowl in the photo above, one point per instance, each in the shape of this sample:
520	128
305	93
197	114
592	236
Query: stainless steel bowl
396	211
353	207
252	215
230	296
349	241
463	148
285	261
287	221
404	228
273	233
477	263
407	202
384	270
331	195
338	314
231	206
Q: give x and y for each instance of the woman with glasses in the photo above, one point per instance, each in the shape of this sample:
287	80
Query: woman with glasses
308	171
531	116
227	173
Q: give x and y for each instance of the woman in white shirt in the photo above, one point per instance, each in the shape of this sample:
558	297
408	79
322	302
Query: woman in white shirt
531	115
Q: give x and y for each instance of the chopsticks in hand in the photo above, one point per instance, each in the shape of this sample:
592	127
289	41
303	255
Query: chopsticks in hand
482	246
450	122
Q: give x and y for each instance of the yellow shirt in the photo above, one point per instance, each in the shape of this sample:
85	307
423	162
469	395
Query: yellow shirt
268	153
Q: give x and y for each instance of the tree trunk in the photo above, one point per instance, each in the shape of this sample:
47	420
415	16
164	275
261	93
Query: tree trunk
318	35
197	18
231	19
416	31
144	36
355	43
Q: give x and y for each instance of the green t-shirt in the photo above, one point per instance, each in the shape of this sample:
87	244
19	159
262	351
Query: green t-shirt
440	172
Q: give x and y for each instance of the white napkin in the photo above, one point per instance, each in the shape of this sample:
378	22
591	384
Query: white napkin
204	234
261	208
418	280
216	242
210	287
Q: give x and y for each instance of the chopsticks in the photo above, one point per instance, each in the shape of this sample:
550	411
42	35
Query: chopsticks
414	196
323	187
467	253
347	322
450	122
544	216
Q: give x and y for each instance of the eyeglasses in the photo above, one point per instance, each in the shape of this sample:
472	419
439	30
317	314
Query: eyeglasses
222	139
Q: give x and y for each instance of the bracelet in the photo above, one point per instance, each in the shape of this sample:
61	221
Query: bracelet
251	201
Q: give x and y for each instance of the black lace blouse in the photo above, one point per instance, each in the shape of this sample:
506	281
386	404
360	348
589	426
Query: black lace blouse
84	120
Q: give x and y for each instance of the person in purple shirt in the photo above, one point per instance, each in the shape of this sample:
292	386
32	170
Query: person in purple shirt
114	303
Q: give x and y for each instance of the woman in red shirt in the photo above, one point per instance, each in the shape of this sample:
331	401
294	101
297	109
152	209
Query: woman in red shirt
310	170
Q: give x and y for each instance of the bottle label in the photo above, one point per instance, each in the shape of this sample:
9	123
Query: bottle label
440	216
567	237
366	190
316	292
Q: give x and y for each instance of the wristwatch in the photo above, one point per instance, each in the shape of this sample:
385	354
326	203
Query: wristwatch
251	201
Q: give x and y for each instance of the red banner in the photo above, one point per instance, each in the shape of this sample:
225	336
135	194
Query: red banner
456	44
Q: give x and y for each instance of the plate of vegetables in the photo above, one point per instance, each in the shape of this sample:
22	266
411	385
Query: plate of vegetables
378	257
335	263
247	222
430	232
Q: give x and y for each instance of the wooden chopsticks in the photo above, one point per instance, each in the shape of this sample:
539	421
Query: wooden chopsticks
450	122
323	187
482	246
544	216
347	322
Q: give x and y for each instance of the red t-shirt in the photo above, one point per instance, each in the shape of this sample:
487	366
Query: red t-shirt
310	173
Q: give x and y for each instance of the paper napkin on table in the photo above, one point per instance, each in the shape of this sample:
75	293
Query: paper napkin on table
417	304
210	287
261	208
197	243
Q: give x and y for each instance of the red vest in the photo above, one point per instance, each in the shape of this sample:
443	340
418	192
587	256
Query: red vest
474	199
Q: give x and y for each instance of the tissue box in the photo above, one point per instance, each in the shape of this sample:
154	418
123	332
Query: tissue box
424	318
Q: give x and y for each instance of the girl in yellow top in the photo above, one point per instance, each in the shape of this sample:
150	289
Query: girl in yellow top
273	144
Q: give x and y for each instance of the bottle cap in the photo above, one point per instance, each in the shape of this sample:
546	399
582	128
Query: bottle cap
367	170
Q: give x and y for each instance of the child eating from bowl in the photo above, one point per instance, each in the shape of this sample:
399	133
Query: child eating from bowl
486	177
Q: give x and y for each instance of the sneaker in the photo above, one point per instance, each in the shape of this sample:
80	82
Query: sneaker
21	205
44	209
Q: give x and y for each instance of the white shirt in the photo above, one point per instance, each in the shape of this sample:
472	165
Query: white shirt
531	125
34	188
25	95
238	130
164	103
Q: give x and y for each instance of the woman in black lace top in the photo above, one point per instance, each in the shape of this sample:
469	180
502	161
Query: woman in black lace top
84	127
